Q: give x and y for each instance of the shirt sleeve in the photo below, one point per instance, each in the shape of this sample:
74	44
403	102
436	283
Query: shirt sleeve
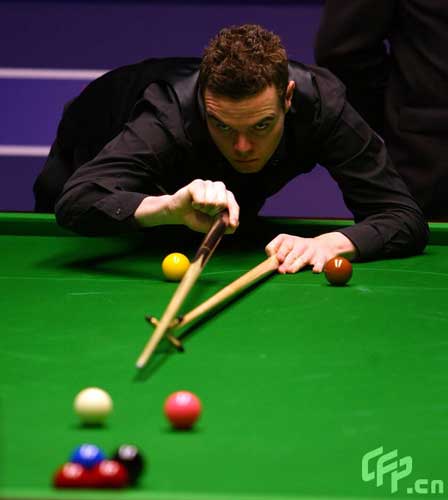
102	195
388	222
351	42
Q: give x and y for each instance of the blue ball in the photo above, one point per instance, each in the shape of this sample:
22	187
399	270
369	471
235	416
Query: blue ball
87	455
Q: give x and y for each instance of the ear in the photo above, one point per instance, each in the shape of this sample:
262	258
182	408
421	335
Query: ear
289	94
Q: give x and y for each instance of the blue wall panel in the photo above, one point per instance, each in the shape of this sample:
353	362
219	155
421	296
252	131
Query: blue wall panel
33	108
109	34
17	176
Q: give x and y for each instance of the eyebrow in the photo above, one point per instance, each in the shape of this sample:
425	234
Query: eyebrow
267	118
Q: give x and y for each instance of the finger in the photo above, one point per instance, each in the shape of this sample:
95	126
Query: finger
319	264
197	193
284	249
215	198
209	200
220	198
297	260
285	266
293	263
234	211
272	247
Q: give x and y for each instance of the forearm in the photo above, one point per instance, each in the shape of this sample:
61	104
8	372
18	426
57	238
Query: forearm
398	233
92	212
389	221
117	214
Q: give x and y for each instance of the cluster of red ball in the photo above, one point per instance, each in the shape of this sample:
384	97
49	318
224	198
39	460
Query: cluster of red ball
89	468
106	474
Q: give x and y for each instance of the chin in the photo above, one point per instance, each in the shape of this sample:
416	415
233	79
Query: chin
247	168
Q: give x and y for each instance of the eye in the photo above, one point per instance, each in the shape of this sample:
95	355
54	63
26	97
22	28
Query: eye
222	126
262	126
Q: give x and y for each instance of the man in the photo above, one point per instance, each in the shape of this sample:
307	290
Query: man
391	55
176	141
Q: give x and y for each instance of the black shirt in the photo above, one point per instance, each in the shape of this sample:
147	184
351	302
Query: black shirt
164	145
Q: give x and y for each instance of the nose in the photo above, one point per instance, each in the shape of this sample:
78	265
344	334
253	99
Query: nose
242	144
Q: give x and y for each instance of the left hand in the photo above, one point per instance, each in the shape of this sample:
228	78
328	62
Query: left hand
294	252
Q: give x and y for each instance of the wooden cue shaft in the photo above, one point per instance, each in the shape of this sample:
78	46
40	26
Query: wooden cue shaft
212	238
174	305
207	247
266	267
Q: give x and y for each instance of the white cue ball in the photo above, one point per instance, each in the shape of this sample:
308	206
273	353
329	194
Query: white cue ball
93	405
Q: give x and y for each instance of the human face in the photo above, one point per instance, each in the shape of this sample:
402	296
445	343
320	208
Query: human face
247	131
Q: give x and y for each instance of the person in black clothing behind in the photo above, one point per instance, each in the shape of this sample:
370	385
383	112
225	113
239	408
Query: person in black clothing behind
391	55
175	141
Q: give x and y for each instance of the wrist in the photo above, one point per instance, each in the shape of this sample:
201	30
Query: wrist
340	244
156	211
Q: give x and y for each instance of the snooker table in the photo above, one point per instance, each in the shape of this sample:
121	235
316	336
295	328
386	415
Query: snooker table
299	380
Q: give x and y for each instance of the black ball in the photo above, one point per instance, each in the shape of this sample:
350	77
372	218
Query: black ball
131	458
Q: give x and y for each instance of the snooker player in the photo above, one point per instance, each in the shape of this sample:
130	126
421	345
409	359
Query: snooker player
175	141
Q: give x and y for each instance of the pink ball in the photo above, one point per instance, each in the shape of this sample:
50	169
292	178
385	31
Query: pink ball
182	409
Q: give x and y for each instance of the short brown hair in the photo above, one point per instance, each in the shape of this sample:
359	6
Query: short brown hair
241	61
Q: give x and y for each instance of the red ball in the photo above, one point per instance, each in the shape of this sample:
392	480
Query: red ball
338	271
72	475
182	409
109	474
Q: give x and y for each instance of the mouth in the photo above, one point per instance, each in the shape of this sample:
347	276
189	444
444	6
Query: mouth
247	161
248	166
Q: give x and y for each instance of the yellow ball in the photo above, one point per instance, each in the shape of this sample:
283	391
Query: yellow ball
174	266
93	405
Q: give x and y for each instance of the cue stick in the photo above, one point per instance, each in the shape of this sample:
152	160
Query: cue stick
206	249
263	269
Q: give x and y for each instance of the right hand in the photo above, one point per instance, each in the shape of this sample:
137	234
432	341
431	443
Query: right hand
196	205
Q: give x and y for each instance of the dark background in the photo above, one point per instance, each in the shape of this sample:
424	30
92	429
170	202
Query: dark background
100	35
